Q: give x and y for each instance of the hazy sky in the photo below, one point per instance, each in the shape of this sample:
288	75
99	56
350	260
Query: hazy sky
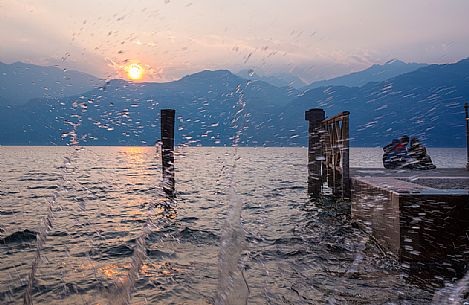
310	38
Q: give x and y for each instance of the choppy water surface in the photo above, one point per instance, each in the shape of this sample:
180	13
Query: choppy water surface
295	251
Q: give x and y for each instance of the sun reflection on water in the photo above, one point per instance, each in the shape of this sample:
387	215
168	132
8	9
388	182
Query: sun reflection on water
152	270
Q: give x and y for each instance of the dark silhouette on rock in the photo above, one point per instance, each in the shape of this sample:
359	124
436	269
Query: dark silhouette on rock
19	237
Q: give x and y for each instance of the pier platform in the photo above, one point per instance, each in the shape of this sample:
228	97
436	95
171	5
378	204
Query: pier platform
422	217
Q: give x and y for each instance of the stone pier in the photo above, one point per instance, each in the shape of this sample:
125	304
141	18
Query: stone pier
421	217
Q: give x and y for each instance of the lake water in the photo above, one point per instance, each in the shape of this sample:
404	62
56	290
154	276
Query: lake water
294	251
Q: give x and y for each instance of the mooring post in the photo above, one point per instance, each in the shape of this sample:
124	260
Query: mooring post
346	182
314	116
167	150
466	106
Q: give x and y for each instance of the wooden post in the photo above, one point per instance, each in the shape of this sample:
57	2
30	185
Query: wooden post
167	150
326	144
345	153
466	106
336	157
315	117
337	154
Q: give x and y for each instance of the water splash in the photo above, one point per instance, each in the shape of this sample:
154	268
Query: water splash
232	285
166	207
46	226
138	258
41	240
47	221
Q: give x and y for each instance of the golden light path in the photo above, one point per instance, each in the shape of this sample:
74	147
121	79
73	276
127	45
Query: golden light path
135	71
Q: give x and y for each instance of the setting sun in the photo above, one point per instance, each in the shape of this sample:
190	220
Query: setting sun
135	71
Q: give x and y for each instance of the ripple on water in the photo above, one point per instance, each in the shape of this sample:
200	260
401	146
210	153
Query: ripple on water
297	252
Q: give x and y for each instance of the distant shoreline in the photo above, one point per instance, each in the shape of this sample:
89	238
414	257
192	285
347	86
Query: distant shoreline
206	146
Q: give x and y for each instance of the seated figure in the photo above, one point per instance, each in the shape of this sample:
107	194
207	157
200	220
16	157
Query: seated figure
418	152
389	155
395	154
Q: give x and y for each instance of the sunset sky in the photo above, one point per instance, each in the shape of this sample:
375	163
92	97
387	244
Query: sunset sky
171	38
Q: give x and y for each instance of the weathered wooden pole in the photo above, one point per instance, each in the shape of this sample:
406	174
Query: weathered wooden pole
314	116
466	106
167	150
346	182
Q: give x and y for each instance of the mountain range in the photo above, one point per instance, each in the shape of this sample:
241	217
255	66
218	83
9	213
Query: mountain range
375	73
21	82
427	102
278	79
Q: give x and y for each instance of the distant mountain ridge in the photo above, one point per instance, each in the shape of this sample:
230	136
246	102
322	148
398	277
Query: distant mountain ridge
20	82
375	73
278	80
126	113
427	102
